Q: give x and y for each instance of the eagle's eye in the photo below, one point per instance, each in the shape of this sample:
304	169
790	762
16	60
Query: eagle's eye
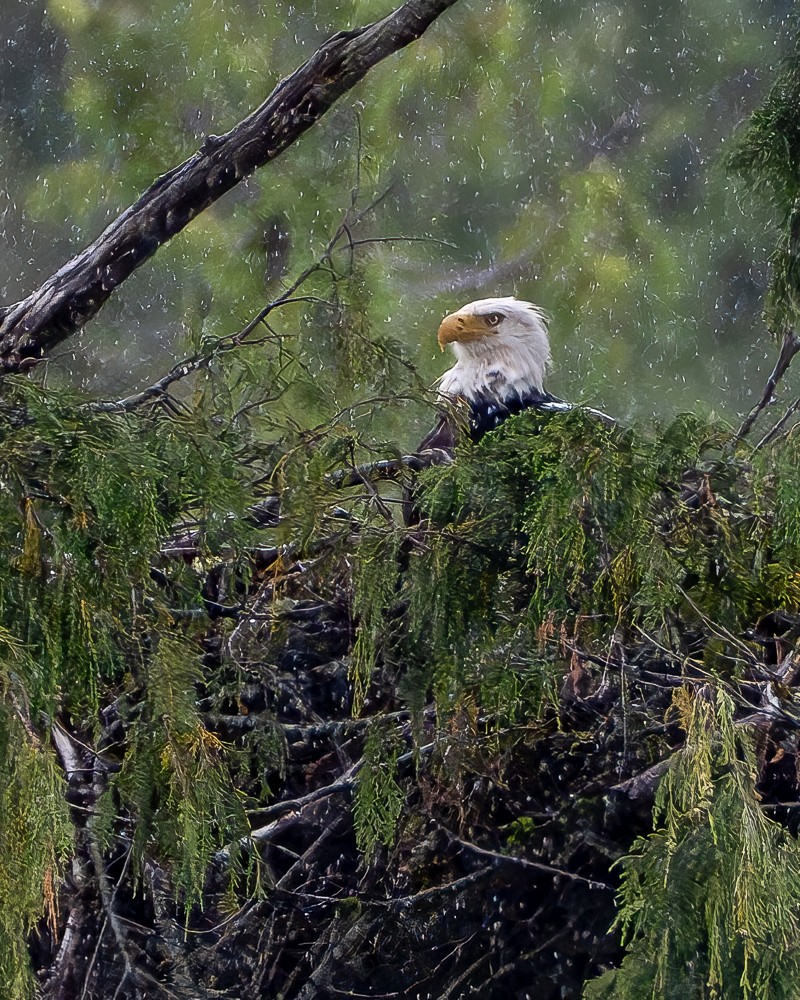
495	319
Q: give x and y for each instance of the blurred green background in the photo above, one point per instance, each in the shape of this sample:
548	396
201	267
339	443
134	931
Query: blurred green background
571	154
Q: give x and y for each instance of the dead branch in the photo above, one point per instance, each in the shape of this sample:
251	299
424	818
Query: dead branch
388	468
68	299
642	786
790	345
776	431
511	859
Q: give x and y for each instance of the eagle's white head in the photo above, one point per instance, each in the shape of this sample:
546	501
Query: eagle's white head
502	350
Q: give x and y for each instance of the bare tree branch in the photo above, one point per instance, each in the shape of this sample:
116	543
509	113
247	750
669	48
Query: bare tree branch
775	432
75	293
511	859
790	345
389	468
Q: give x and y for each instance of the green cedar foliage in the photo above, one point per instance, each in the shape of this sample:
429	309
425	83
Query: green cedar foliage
375	587
86	501
710	900
35	833
767	155
557	533
379	798
553	533
175	778
561	521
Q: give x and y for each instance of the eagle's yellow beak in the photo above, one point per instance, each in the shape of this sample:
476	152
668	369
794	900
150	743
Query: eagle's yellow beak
461	326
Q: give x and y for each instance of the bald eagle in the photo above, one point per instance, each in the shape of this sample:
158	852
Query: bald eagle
502	353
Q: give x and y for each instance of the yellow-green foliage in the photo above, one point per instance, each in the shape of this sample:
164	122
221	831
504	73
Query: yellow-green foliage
563	518
35	837
558	527
710	902
554	529
98	493
561	521
375	585
86	501
175	779
378	798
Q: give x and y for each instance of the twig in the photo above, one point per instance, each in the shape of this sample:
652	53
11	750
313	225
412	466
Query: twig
467	973
722	633
294	807
344	784
642	786
512	859
158	389
376	498
775	432
231	342
88	974
736	691
403	239
111	918
188	366
790	345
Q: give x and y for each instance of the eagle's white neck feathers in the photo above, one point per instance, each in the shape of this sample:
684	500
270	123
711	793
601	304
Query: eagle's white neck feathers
502	350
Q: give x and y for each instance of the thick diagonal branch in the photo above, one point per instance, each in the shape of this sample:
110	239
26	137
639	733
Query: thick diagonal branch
77	291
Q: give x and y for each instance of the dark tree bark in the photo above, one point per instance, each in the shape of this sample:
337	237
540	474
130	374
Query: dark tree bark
68	299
